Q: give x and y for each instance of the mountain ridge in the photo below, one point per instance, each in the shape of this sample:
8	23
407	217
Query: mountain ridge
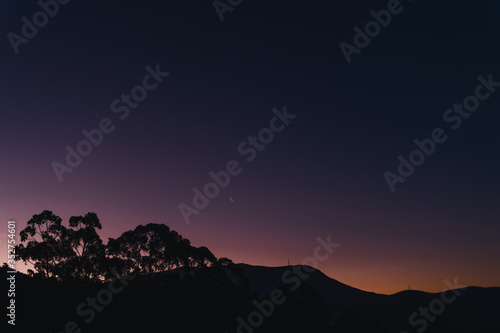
471	310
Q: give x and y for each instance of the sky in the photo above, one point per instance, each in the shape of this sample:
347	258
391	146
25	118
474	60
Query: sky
351	114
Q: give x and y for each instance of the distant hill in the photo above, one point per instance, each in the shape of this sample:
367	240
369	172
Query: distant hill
475	310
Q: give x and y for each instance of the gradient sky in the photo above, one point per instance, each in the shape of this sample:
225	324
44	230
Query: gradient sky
322	175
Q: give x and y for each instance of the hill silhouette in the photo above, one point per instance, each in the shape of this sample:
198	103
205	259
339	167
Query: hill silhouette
152	277
213	298
473	311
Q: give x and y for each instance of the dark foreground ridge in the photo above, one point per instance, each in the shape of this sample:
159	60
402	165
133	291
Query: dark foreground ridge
234	298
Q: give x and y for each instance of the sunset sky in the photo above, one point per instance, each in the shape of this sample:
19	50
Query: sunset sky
323	174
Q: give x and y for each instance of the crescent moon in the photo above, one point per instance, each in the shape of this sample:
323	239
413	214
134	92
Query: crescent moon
231	199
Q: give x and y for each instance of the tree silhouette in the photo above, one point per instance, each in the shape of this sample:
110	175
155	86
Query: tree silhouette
44	248
85	258
77	253
199	257
224	261
142	250
155	248
74	253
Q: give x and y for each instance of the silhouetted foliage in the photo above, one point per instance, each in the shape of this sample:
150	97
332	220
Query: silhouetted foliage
155	248
77	253
44	248
86	256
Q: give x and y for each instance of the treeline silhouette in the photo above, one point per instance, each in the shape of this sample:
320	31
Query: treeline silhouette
77	253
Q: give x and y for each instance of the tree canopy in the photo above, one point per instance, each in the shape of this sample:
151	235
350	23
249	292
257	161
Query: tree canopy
77	252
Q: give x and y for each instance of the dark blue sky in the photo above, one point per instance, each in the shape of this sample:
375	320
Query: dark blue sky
322	175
